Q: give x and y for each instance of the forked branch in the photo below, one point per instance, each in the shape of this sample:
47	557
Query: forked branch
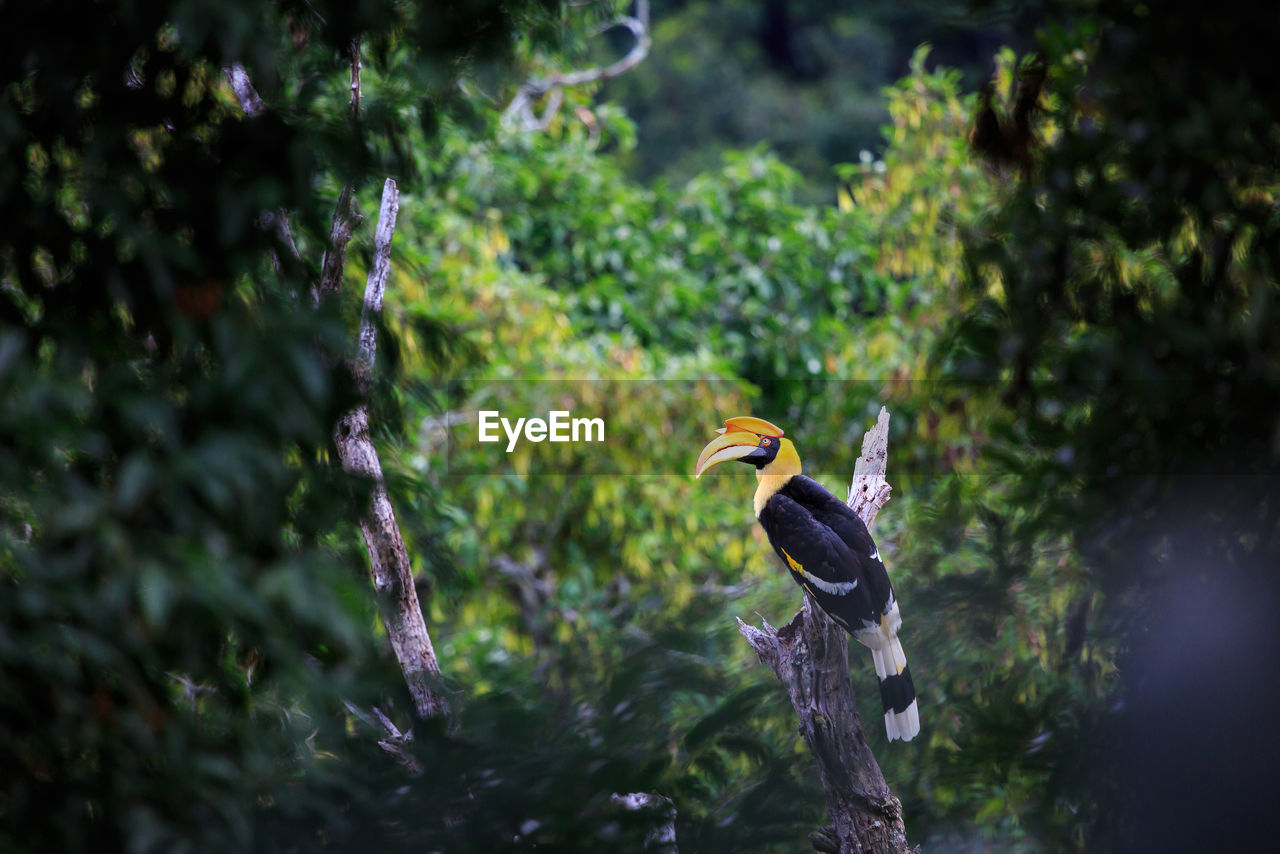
521	113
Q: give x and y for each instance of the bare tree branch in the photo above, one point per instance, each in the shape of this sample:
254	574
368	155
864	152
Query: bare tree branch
248	97
869	491
810	656
661	838
346	219
355	79
334	263
278	222
388	557
285	234
376	284
392	740
521	113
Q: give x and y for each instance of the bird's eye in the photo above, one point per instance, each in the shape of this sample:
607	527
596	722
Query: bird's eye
764	442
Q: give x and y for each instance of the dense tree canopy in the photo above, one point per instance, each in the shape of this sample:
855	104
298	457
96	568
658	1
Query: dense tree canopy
801	76
1061	280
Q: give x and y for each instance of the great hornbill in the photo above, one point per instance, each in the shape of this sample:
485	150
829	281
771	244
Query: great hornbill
829	552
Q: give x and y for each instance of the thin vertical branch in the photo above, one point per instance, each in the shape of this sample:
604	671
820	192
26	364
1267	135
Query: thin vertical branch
355	79
345	217
388	556
869	490
376	285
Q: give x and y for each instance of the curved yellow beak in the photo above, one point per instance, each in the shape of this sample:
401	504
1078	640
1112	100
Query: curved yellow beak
730	445
739	437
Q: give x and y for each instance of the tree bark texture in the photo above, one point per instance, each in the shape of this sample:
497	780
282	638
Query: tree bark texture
810	656
334	263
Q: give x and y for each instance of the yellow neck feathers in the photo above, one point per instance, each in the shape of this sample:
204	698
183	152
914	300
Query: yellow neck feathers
775	475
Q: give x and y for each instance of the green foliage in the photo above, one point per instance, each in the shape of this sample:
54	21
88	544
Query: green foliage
547	263
729	265
183	615
178	629
1120	343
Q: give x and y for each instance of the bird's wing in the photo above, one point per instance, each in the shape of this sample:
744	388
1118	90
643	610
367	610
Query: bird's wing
835	515
832	512
821	562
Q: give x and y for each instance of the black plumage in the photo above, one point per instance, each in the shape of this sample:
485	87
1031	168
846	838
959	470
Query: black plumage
830	553
832	546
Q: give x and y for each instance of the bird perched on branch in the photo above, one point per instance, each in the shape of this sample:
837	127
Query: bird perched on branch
829	552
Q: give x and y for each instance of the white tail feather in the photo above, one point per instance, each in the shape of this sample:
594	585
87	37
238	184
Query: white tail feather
891	660
904	725
896	657
891	724
877	658
908	722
